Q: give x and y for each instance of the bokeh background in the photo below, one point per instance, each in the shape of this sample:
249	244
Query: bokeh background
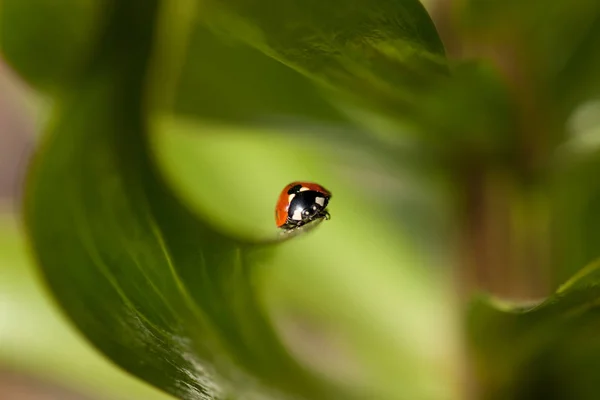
503	199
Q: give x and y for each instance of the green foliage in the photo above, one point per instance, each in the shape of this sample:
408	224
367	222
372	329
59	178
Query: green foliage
50	45
176	122
382	51
59	354
549	349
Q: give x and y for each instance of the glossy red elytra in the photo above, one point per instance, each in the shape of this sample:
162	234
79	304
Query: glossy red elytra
300	203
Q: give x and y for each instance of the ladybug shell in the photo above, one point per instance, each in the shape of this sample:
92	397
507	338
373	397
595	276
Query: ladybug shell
288	193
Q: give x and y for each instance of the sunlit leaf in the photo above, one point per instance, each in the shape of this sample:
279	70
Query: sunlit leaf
381	54
240	84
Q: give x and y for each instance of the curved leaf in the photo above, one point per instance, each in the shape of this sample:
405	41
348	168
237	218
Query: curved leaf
383	64
59	355
138	321
382	54
527	351
174	300
240	84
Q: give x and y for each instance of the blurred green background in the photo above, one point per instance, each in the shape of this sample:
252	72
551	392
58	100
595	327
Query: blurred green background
459	140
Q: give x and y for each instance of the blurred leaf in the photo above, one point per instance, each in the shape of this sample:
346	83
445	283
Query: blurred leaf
385	55
60	355
239	84
48	41
550	348
578	80
575	192
471	115
383	64
381	54
548	46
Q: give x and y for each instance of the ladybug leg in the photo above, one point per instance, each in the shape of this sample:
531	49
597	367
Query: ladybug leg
323	214
289	225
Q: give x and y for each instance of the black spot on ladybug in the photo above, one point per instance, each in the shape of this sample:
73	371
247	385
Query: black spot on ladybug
294	189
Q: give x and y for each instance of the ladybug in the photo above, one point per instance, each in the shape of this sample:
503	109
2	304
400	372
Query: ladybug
300	203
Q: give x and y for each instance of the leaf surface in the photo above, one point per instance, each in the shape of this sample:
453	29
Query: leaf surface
166	294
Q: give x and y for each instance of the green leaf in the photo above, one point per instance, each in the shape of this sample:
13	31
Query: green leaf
575	194
577	82
381	54
550	347
383	64
59	355
238	85
184	305
94	235
59	32
241	85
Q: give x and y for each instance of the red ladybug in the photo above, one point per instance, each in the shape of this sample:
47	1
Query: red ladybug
300	203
